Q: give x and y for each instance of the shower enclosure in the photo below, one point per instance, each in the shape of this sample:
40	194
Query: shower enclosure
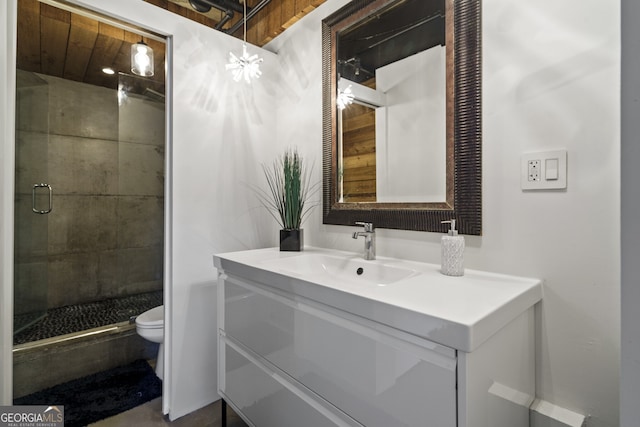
89	202
31	223
89	196
89	221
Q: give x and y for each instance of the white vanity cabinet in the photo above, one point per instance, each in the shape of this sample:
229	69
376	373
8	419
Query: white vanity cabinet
291	354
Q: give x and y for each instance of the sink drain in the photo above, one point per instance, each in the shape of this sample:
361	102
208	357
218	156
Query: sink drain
359	271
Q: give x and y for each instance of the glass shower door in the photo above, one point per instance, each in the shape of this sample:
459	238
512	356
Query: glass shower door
33	200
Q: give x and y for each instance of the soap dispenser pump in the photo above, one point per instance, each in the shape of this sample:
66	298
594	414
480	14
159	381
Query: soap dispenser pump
452	247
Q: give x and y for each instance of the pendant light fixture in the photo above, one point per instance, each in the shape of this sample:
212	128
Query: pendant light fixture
141	59
244	66
344	98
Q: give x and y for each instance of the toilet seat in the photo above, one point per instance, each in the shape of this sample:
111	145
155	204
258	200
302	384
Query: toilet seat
151	319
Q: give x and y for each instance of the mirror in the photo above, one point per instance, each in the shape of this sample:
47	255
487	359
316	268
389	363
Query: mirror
405	151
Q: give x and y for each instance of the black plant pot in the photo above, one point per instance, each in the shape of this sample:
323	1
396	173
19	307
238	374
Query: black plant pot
291	240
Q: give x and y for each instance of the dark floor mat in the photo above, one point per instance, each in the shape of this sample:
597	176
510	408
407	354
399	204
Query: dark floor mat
102	395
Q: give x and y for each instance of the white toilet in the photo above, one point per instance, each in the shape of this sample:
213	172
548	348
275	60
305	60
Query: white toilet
150	326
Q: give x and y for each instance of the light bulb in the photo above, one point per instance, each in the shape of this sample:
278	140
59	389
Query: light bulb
244	67
141	59
344	98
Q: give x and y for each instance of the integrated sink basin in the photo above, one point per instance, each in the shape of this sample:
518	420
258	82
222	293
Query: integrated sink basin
341	269
458	312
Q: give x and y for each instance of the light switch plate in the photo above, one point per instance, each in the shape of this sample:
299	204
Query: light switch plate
538	177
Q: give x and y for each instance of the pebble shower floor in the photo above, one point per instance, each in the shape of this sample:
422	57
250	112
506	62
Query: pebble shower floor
80	317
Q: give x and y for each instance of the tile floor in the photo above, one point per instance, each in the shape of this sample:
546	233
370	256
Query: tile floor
81	317
150	415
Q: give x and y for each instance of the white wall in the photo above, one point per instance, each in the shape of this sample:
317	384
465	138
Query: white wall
410	169
630	379
221	132
550	80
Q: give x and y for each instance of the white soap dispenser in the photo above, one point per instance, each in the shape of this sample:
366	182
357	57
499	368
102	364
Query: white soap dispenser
452	246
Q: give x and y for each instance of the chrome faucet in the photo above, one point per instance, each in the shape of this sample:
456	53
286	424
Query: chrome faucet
369	239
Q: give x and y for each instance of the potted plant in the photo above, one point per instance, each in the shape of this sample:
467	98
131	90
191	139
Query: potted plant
287	198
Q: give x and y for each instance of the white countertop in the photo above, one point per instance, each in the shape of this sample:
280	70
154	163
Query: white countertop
458	312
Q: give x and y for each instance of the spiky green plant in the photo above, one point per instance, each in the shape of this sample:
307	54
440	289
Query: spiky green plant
287	199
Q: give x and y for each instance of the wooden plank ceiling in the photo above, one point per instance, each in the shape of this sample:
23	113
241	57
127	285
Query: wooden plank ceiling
62	44
59	43
272	20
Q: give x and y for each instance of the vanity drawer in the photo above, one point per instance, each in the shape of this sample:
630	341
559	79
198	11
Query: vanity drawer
268	400
376	377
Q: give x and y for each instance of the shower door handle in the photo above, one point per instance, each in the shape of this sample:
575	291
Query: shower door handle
33	199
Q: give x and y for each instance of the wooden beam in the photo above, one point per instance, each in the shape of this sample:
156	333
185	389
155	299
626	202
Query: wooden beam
187	12
287	11
360	198
105	52
364	137
300	6
300	9
303	7
364	173
359	190
190	14
359	161
359	147
54	35
160	3
366	119
260	23
82	38
273	21
28	52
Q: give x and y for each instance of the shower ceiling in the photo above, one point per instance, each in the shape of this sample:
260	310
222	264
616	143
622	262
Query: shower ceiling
62	44
273	19
59	43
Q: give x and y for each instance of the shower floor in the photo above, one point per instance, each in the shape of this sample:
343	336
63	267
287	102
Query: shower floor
80	317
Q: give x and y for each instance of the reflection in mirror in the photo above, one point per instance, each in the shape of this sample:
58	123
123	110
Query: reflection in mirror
392	136
403	150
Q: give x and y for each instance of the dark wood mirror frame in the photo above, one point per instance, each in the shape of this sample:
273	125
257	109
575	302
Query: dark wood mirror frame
464	129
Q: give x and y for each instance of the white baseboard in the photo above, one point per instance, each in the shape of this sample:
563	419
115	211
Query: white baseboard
545	414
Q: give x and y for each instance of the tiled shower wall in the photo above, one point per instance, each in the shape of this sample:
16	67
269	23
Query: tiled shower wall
105	163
